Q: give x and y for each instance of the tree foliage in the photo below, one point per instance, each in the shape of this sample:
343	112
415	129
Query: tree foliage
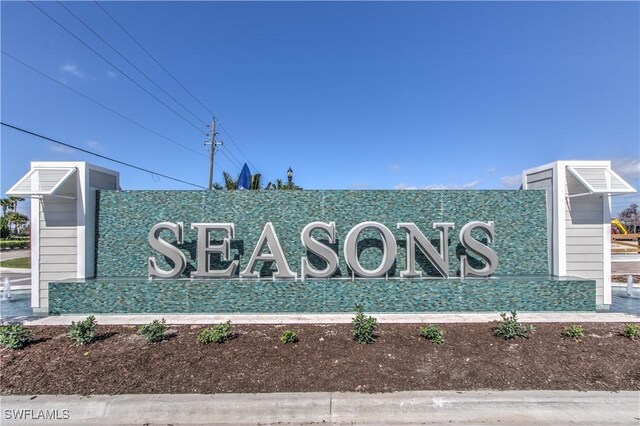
629	217
12	222
279	185
230	183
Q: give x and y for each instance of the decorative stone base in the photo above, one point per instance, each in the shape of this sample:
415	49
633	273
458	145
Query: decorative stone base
135	295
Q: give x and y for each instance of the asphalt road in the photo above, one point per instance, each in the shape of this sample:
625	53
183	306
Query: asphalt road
14	254
17	278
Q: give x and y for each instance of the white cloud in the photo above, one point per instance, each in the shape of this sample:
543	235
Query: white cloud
471	184
628	168
360	186
393	168
468	185
111	74
95	145
61	149
511	181
71	68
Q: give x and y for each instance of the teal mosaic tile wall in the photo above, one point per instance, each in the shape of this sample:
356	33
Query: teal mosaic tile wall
125	218
321	296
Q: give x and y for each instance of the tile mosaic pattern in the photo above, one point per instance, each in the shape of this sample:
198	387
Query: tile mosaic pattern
321	296
125	218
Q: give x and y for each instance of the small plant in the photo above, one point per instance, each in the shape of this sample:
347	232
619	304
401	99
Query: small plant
153	332
218	333
575	332
432	334
510	328
631	331
289	336
83	332
363	327
15	336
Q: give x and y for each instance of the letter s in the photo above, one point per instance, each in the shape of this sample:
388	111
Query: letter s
173	253
469	243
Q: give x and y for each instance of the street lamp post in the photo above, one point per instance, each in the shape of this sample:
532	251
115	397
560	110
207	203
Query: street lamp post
290	176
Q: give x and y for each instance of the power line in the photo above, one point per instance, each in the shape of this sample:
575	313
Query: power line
115	67
142	126
237	163
130	63
176	80
152	57
236	158
234	142
98	155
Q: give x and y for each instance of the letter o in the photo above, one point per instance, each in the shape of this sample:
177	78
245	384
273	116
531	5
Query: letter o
389	250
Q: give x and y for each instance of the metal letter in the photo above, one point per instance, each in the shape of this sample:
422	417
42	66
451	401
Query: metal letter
319	249
415	237
268	239
166	249
469	243
205	248
389	251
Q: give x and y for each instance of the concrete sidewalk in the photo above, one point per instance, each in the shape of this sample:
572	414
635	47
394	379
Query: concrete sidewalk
14	271
432	318
399	408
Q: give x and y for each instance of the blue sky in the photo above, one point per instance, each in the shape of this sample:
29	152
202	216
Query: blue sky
350	95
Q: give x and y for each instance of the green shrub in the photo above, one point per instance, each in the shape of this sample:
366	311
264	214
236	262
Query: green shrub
574	331
218	333
510	328
153	332
288	336
631	331
432	334
15	336
83	332
363	327
6	244
19	238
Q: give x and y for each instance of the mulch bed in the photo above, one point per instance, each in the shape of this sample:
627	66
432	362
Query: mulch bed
325	359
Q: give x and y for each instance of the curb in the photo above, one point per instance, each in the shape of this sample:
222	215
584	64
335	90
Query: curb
207	319
15	270
415	407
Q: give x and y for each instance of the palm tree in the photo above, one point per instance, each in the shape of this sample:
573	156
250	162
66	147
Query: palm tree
10	204
231	184
16	221
6	205
256	182
281	186
10	216
15	201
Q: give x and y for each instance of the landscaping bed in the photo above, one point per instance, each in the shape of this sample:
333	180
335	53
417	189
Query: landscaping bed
326	358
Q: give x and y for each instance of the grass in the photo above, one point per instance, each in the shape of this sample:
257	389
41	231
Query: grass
21	262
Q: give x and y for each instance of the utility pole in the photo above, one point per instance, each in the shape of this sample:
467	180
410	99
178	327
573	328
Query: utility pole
212	150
